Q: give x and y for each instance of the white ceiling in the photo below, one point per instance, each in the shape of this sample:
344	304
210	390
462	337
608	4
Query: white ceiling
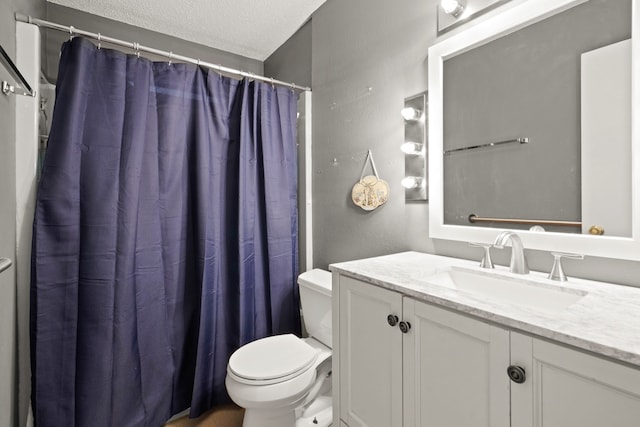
251	28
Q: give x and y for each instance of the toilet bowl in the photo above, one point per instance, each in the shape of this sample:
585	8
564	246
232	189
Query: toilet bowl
283	380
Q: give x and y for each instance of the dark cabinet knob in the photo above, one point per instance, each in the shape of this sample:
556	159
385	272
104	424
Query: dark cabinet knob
405	326
392	320
517	374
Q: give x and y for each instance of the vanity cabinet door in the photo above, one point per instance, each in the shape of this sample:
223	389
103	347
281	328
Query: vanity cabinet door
454	370
370	355
571	388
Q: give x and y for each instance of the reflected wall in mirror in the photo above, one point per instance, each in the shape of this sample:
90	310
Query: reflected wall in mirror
557	74
528	84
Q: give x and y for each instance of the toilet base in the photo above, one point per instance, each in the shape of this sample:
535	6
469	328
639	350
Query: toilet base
281	417
318	414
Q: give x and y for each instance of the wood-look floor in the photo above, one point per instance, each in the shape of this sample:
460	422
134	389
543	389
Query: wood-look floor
223	416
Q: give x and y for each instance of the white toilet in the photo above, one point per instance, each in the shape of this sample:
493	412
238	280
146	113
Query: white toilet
285	381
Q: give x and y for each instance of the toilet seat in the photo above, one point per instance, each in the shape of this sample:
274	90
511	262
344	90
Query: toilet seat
271	360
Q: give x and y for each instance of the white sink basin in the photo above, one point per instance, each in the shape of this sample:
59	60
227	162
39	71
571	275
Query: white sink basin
515	291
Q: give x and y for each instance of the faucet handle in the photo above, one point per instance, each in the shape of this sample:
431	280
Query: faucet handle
557	273
486	261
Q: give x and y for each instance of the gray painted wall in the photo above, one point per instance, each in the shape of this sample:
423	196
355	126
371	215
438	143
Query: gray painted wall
383	45
96	24
367	56
12	409
292	61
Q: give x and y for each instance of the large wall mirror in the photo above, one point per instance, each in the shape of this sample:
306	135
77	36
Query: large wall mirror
532	126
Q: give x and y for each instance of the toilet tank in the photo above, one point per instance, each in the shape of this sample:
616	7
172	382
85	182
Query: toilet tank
315	300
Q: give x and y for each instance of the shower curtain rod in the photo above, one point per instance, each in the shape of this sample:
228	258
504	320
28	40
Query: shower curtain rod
140	48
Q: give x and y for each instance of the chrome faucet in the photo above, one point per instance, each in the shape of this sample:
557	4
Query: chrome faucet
518	263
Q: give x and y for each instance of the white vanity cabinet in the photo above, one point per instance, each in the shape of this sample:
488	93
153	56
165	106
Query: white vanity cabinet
370	356
566	387
433	367
445	370
454	369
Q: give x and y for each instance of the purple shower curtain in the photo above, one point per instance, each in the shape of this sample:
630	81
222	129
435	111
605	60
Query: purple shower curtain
165	237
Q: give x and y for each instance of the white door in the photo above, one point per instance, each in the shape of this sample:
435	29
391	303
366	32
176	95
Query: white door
571	388
370	356
455	370
606	139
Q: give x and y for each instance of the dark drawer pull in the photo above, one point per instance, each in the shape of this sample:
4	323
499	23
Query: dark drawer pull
405	326
392	320
517	374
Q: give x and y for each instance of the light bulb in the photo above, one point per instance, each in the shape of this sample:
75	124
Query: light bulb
452	7
412	147
410	113
411	182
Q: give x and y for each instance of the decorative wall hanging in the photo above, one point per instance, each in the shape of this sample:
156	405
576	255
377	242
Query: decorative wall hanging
371	191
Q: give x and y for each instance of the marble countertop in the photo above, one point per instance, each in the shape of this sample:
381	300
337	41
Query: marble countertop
605	321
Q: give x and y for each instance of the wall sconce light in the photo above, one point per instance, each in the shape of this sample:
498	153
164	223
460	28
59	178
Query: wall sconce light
411	182
414	148
454	13
410	113
453	7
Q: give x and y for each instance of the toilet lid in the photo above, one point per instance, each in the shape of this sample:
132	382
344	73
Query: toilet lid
273	358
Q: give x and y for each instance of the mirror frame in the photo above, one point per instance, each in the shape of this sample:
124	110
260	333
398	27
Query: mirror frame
498	25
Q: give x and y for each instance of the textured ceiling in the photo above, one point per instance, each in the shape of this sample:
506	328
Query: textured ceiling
251	28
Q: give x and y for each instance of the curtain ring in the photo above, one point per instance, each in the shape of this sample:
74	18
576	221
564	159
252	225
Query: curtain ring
71	31
220	70
273	86
170	58
198	63
137	45
99	37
